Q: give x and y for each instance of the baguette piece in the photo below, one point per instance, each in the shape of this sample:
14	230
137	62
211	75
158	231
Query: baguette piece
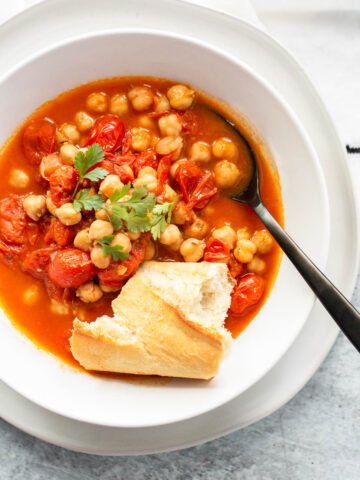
168	320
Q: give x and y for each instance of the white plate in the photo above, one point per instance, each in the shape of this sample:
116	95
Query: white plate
304	357
43	379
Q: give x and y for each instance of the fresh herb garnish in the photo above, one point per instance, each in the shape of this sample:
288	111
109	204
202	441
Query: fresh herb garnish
161	217
116	251
140	212
87	202
84	161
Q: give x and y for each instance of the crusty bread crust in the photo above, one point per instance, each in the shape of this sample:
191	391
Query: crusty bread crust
149	336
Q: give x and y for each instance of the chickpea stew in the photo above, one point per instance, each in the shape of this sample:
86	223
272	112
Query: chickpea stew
116	172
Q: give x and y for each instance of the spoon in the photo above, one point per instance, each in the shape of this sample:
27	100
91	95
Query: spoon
340	309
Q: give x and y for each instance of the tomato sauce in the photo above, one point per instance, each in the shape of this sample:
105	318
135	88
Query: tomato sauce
32	314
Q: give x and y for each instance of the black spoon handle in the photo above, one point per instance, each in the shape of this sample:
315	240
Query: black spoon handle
341	310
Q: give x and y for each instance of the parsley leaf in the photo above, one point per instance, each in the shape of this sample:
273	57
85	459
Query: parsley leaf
116	251
140	203
94	202
136	223
161	217
84	161
118	194
118	214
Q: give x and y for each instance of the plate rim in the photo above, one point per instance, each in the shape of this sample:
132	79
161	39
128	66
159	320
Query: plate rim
353	268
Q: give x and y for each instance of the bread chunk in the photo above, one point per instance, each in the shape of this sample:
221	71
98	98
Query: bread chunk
168	320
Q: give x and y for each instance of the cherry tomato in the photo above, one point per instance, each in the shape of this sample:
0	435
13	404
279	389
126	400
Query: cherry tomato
13	220
70	268
59	233
123	174
196	186
216	251
247	292
36	263
163	172
146	159
38	140
49	164
189	122
55	292
108	132
62	184
114	276
235	268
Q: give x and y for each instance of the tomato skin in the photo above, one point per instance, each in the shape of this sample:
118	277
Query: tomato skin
62	184
235	268
216	251
59	233
108	132
196	186
13	220
70	268
146	159
36	263
163	172
124	176
38	140
247	292
110	276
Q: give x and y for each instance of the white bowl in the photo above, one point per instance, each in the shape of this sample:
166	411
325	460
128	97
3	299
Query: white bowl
45	380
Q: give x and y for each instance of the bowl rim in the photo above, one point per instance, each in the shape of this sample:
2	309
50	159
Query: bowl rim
299	127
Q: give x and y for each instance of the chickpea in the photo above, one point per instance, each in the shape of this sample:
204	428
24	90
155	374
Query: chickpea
227	235
244	250
170	125
68	215
200	152
49	164
148	180
82	240
192	249
34	206
226	174
18	178
224	148
141	98
146	122
169	144
256	265
243	233
99	229
161	103
59	308
110	184
180	96
169	194
68	133
101	214
147	171
50	205
123	241
31	295
180	215
175	166
197	228
107	289
175	247
140	139
97	102
133	235
98	258
68	153
83	121
89	292
263	241
119	104
154	141
170	235
150	251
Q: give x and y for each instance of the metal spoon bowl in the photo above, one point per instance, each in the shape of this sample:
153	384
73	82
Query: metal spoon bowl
340	309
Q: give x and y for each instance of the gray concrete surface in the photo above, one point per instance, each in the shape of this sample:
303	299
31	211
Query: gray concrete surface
315	436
